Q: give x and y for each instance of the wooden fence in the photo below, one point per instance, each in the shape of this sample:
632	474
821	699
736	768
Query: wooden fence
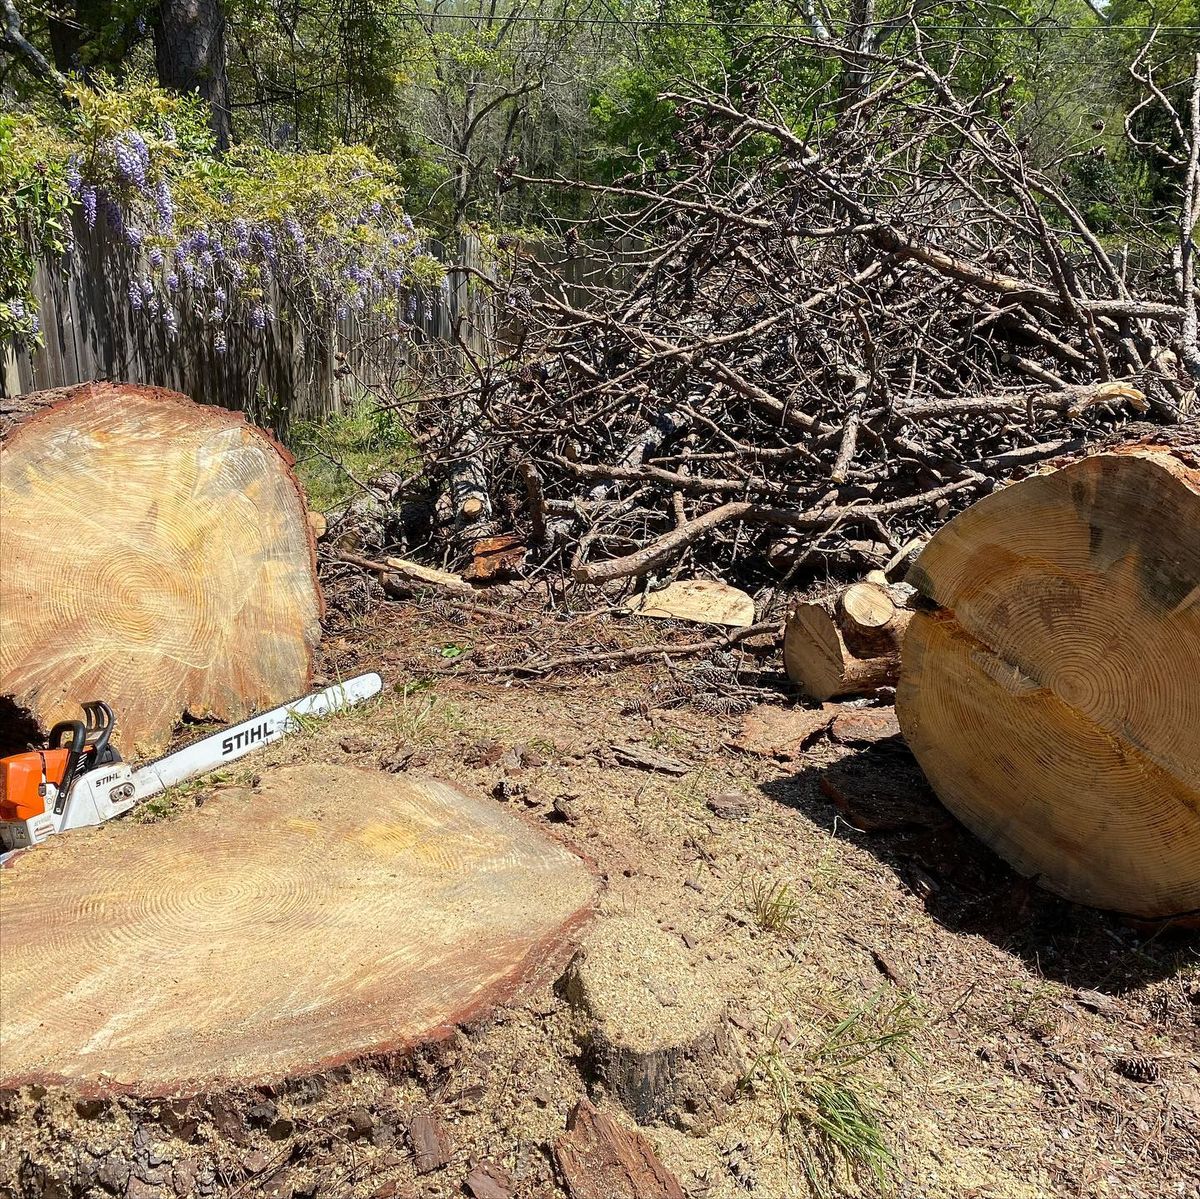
287	371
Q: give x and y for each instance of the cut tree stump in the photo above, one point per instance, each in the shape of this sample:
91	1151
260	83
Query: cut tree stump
334	914
657	1035
156	554
1053	699
601	1160
845	645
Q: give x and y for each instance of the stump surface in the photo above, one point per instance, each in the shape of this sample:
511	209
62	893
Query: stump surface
155	554
1053	699
335	913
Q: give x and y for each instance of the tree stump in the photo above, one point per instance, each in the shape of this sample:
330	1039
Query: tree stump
657	1037
335	913
155	554
1053	699
845	645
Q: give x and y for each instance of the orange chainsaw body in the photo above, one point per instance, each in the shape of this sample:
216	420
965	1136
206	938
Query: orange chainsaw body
23	779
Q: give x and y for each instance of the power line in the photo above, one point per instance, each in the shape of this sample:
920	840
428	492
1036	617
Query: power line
417	12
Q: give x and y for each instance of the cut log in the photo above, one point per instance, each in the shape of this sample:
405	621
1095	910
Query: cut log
1052	699
155	554
601	1160
333	914
656	1036
845	645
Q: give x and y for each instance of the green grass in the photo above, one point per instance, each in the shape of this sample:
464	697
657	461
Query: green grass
828	1117
357	444
772	905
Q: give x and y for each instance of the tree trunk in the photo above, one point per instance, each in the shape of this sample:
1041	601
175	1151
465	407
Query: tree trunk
155	554
331	914
189	55
845	645
1053	698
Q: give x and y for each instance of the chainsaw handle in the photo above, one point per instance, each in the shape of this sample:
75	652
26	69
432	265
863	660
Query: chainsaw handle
74	754
100	721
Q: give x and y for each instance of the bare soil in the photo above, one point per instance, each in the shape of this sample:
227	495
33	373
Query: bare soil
999	1042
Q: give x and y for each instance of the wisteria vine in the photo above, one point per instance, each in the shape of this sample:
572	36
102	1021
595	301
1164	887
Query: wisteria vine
238	242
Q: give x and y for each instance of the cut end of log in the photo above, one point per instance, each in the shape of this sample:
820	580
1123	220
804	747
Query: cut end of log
333	914
847	646
867	606
157	555
1052	700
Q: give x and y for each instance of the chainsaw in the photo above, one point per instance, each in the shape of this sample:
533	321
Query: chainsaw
80	779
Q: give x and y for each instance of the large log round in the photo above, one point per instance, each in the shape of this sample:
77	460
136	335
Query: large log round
334	913
155	554
1053	698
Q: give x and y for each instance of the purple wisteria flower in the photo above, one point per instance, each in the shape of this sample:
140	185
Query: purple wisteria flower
131	158
164	204
294	231
73	177
112	214
156	256
89	206
258	318
220	344
134	236
172	282
135	296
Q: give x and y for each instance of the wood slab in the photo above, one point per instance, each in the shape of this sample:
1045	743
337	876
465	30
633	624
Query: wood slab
332	914
701	601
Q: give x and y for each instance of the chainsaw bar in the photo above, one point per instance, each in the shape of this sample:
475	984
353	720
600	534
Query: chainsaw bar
235	741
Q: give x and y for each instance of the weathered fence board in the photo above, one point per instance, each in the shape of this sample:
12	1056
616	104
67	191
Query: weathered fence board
289	370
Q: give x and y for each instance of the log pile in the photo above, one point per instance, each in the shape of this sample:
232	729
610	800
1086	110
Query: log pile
814	340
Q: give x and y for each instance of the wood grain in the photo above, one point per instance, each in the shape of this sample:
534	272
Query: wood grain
156	555
1054	699
333	914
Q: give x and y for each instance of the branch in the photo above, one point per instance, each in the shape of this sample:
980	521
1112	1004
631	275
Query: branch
14	40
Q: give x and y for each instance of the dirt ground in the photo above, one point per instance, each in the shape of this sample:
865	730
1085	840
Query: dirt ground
912	1018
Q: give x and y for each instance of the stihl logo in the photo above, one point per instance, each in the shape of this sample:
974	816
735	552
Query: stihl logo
256	733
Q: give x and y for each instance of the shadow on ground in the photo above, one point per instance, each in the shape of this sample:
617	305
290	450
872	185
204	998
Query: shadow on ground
883	804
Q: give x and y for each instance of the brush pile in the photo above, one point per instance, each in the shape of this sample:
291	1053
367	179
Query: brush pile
815	333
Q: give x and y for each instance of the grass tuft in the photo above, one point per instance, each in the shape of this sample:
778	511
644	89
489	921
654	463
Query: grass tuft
827	1113
333	455
772	905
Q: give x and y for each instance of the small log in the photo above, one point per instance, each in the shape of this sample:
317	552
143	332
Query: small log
848	645
601	1160
657	1037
